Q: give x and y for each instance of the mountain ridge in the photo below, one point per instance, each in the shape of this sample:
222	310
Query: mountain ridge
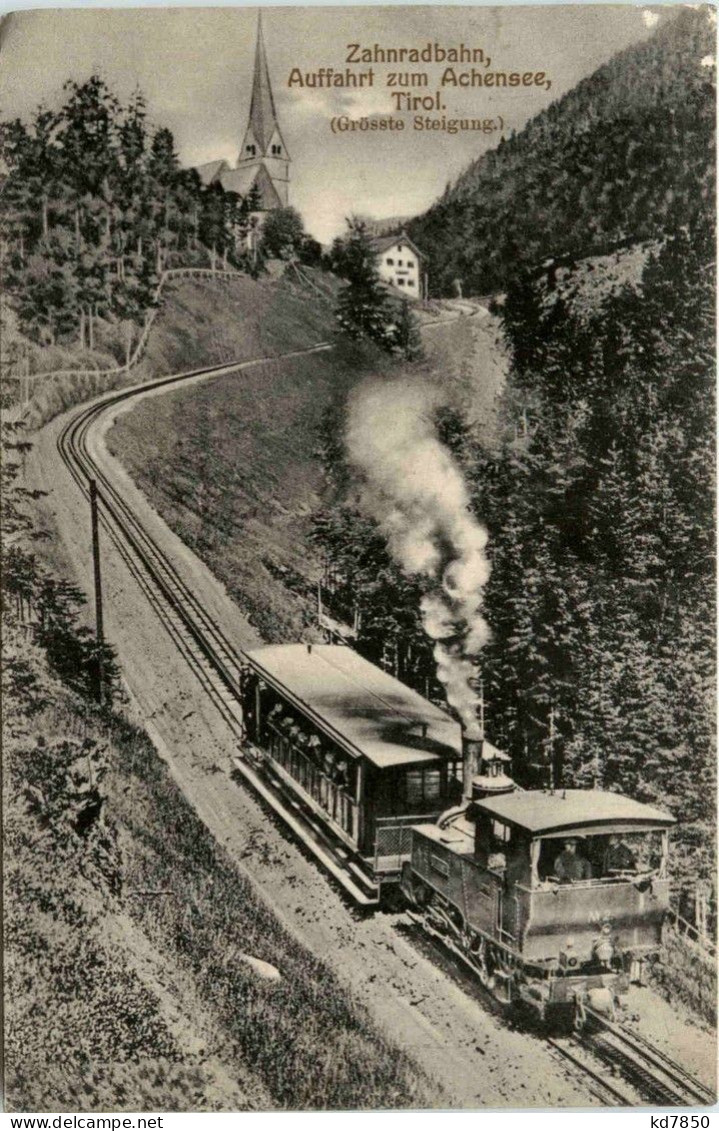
626	154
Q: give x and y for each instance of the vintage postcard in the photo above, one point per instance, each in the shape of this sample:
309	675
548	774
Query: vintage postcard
358	558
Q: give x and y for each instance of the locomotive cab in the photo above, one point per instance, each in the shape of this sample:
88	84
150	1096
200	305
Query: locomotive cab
555	897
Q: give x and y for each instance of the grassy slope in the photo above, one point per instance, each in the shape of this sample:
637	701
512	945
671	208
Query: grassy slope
135	998
94	1019
207	321
232	465
468	360
199	322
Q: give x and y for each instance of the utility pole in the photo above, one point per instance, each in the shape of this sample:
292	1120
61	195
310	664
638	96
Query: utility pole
99	632
481	706
551	748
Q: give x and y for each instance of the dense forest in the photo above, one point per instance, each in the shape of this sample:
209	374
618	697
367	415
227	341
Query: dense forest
627	153
94	207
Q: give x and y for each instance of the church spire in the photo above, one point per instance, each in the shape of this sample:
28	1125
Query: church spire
263	116
263	163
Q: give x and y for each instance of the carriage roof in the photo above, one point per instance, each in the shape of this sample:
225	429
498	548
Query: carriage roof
580	811
365	710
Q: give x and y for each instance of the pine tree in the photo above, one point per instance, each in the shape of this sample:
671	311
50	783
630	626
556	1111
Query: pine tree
363	308
407	341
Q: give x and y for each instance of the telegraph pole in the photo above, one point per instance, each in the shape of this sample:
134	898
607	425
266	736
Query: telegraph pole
99	632
481	706
551	748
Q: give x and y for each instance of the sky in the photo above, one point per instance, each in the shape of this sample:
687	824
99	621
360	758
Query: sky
194	66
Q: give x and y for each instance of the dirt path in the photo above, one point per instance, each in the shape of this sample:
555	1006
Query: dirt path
476	1058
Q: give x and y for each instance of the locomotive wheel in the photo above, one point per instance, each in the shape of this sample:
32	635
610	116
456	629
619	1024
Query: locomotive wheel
479	957
504	977
580	1016
413	889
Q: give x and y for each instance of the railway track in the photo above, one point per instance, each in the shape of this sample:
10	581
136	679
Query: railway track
199	637
639	1072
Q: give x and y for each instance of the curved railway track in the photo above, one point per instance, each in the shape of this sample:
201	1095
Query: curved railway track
199	637
640	1073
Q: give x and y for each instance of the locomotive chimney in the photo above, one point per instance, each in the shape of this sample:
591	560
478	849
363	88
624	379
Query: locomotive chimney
484	767
472	741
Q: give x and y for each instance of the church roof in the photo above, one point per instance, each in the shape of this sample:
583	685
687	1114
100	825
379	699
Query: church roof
242	181
239	180
211	171
263	116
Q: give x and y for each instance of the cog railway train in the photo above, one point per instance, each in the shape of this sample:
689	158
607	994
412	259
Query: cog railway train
553	898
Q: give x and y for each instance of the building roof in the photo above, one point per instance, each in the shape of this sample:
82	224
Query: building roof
239	180
583	811
366	711
263	116
211	171
384	243
242	181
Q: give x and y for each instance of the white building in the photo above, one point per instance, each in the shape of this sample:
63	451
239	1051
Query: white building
402	265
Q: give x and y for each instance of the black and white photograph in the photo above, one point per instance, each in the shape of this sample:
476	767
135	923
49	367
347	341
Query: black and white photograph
358	559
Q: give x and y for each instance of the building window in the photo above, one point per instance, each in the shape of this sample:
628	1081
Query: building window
401	282
250	149
399	262
276	149
390	262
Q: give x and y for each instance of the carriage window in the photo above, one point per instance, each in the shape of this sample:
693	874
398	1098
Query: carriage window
422	787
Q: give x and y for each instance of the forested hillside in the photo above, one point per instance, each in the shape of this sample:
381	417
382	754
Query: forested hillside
94	206
629	153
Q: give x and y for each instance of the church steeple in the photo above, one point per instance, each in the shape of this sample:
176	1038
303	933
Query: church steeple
263	129
263	148
263	116
262	172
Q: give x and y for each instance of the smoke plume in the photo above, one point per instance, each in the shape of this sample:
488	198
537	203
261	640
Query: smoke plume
412	487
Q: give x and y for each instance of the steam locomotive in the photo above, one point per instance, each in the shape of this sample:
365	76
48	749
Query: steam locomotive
553	898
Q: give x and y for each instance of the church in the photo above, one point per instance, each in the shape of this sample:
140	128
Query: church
263	162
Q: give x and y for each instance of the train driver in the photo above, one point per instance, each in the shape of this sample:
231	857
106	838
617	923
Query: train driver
618	857
570	866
